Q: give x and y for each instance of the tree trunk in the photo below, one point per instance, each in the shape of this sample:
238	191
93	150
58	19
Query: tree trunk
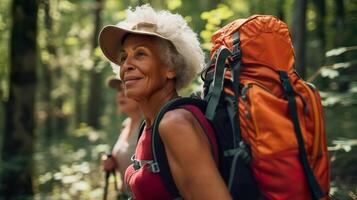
59	118
47	74
18	141
320	6
339	22
78	101
95	88
299	35
280	10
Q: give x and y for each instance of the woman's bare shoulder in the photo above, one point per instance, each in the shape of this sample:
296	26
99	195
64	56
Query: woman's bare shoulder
178	117
180	125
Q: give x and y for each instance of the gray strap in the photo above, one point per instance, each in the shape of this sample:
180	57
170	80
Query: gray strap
140	163
218	81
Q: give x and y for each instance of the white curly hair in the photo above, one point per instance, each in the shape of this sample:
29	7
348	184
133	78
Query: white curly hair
187	57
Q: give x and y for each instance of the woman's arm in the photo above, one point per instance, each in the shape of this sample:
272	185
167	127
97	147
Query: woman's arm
190	157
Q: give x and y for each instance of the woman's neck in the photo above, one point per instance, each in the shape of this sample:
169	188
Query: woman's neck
135	115
135	120
151	106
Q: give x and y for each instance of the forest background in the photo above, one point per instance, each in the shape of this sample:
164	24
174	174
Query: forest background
57	114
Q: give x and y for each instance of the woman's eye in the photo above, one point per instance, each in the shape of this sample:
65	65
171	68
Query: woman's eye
140	53
122	58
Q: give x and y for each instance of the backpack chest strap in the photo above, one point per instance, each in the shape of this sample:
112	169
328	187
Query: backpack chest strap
137	164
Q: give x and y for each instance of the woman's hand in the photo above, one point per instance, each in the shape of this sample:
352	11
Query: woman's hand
108	163
190	157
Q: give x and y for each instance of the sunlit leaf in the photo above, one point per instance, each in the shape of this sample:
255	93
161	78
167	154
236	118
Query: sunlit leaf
215	20
205	15
66	170
93	136
66	6
88	64
353	87
224	11
44	178
347	148
70	179
207	46
71	41
188	19
81	186
96	193
79	154
330	73
174	4
343	144
118	16
98	52
58	176
211	27
311	24
336	52
206	35
341	65
45	56
83	168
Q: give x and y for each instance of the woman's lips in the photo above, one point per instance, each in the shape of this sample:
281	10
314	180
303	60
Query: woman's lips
130	80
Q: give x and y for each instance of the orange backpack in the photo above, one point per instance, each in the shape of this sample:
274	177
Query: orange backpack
280	115
268	122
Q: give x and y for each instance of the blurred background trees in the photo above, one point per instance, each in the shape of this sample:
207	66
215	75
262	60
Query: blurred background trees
57	114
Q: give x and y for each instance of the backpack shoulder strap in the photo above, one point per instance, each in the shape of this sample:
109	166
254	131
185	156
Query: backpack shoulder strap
159	156
141	129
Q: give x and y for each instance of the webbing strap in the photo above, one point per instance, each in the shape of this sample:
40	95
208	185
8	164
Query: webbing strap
141	130
218	81
158	151
241	182
315	188
235	69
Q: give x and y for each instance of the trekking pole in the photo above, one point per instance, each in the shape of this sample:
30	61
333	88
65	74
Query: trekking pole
107	174
115	182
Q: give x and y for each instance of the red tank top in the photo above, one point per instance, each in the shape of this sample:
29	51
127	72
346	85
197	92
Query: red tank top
142	183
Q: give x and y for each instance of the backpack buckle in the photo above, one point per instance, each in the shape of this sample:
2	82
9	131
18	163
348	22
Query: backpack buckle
154	167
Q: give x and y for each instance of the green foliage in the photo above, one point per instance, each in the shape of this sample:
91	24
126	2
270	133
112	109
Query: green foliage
339	51
5	22
67	165
214	19
174	4
338	83
343	156
73	170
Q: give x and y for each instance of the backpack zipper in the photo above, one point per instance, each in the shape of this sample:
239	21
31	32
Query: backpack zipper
244	96
247	112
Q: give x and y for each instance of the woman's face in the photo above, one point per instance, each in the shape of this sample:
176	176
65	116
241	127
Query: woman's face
142	70
125	104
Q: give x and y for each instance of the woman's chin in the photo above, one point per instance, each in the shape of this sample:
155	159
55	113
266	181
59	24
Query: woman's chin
132	94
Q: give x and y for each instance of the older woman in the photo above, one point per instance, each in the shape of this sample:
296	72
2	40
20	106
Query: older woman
158	55
124	147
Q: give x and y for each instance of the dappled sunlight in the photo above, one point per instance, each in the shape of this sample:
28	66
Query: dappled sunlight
58	116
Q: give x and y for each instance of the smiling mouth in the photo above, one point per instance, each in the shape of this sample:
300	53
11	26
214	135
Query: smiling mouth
131	80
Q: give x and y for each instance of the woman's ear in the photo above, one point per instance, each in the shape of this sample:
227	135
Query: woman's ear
170	74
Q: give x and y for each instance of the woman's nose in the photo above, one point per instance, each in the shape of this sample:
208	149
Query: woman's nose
125	67
127	64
